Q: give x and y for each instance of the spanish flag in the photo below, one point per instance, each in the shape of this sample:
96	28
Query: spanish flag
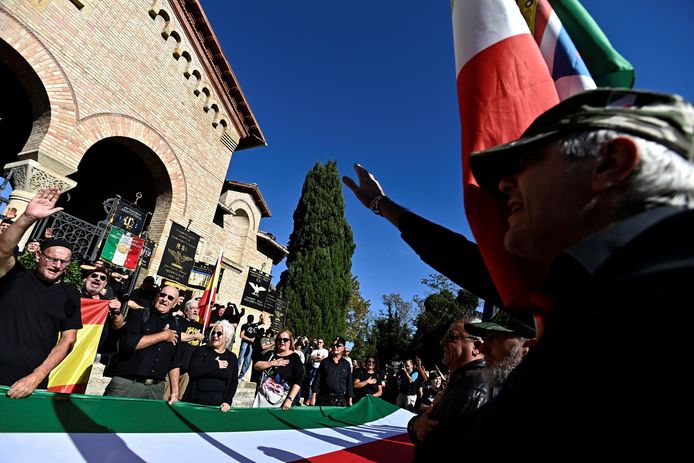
72	374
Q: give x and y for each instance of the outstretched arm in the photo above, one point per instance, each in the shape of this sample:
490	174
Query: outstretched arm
369	189
38	208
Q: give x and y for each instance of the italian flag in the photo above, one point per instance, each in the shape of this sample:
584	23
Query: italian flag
122	248
503	85
72	374
74	428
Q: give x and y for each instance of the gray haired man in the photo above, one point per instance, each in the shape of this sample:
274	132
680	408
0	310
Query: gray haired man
600	189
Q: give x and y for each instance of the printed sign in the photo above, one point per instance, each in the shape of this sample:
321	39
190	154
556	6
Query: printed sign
179	254
255	292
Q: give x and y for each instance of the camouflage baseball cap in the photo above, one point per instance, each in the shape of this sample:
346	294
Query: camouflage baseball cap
665	118
519	324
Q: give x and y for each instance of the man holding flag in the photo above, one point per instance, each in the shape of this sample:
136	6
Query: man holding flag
35	306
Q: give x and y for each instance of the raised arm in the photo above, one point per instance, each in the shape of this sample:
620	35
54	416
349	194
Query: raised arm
41	206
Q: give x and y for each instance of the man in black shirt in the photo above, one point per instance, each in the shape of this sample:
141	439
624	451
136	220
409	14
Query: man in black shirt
248	333
35	305
333	385
93	288
146	351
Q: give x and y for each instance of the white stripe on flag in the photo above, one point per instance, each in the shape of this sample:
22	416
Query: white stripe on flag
550	36
497	20
249	446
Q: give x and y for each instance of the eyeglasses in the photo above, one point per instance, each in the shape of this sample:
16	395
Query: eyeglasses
53	260
452	337
371	362
219	334
281	340
98	276
167	296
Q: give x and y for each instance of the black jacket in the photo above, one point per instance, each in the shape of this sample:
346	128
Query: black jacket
465	392
618	327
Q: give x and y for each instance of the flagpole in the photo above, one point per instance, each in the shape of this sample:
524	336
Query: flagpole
212	295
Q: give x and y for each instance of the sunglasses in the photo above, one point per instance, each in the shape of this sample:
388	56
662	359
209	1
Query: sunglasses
167	296
451	336
338	345
98	276
281	340
219	334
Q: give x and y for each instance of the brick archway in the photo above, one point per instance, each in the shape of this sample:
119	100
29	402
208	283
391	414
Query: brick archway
50	130
163	163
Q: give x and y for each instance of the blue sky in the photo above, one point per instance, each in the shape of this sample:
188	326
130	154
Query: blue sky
374	82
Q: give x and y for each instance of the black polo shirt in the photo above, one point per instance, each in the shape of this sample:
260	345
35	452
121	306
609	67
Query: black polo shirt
334	378
154	361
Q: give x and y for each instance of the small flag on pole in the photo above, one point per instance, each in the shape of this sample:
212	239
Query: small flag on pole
122	248
210	294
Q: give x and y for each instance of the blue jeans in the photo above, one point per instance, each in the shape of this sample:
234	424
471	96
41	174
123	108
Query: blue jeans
245	353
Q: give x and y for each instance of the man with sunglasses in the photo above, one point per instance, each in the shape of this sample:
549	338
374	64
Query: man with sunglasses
466	390
93	288
147	346
35	306
334	385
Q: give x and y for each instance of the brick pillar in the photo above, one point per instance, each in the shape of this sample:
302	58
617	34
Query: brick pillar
28	177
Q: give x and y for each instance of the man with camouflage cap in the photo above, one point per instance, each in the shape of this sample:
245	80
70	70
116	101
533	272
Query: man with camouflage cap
599	188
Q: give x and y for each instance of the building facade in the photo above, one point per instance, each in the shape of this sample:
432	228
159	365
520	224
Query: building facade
132	97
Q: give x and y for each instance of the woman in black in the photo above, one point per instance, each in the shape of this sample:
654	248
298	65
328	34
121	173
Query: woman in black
284	370
213	370
367	381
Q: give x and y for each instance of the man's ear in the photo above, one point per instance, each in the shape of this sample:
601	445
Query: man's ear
618	159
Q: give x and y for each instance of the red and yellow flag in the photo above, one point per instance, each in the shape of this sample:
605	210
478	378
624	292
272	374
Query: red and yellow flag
210	295
72	374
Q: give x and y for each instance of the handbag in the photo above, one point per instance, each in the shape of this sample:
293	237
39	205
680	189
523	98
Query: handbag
271	391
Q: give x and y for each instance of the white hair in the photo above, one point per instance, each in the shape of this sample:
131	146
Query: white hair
662	177
228	330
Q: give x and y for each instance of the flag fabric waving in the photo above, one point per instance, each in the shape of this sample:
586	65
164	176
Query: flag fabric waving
74	428
210	295
565	64
122	248
503	85
72	374
606	65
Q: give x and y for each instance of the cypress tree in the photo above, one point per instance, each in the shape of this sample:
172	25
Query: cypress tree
317	284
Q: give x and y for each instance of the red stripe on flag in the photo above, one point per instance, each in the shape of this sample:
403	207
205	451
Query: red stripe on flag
395	448
542	14
501	90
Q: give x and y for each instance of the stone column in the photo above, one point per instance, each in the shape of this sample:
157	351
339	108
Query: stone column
28	177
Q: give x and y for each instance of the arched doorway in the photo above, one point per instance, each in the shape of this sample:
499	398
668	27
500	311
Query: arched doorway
24	106
116	166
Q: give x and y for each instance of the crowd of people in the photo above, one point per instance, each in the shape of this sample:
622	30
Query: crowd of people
599	190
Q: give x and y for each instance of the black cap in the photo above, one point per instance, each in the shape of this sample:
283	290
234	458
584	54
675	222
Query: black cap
56	242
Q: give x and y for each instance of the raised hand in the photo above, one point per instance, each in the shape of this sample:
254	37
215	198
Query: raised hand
368	187
43	204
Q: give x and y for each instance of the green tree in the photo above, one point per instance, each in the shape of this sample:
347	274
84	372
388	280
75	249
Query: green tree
317	284
357	328
391	332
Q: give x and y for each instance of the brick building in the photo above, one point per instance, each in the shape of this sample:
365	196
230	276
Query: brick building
119	97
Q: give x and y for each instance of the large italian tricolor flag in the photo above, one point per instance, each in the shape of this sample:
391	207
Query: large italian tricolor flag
49	427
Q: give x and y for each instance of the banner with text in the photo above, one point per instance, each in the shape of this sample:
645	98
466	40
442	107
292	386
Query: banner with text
179	254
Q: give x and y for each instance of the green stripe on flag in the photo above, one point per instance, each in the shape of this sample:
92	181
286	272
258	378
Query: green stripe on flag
46	412
111	245
606	65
